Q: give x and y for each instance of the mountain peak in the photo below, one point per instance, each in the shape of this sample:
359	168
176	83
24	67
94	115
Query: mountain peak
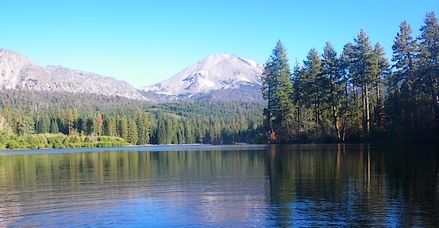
17	72
215	72
10	57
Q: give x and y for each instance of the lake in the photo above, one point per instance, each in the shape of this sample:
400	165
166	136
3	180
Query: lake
225	186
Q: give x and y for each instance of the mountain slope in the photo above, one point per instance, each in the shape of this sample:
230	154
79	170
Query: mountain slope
19	73
217	72
76	81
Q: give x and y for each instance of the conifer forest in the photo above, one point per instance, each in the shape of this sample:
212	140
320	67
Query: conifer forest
357	95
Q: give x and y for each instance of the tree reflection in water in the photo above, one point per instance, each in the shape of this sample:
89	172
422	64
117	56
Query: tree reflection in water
275	185
353	185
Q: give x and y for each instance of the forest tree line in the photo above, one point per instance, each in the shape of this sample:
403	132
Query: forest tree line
357	95
137	123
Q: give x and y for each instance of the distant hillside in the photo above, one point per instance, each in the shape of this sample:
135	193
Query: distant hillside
88	102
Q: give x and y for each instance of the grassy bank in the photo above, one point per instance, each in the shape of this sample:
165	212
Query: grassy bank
41	141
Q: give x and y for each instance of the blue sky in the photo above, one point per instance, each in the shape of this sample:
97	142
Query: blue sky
145	42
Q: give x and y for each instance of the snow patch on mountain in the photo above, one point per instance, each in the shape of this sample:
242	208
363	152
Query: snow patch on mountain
215	72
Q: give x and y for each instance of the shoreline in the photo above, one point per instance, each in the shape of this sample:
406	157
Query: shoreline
147	147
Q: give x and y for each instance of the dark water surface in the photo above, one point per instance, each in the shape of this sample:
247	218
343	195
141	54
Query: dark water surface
231	186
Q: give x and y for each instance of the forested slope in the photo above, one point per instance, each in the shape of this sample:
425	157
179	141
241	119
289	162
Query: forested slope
137	122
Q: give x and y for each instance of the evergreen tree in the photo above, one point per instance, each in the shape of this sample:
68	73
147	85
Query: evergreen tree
350	110
68	117
332	73
54	127
169	131
401	106
299	79
277	90
89	125
133	136
161	137
25	125
98	124
143	127
382	71
363	74
313	84
42	124
109	125
429	64
122	126
188	132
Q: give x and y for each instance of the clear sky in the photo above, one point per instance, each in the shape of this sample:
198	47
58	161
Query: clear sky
144	42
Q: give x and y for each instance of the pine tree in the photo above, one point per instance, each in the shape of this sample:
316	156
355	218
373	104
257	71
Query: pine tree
299	78
54	127
109	125
170	133
143	127
350	110
99	122
404	56
313	84
89	125
188	132
133	136
382	71
122	126
42	124
362	61
429	64
332	73
403	84
277	90
68	119
25	125
161	134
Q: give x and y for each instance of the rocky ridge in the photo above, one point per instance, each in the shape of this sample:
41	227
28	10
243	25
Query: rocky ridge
19	73
219	76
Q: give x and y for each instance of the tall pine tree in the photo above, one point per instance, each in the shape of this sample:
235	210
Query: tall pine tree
362	74
277	90
429	59
331	71
401	105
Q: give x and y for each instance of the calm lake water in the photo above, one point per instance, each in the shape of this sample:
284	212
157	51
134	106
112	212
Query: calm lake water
226	186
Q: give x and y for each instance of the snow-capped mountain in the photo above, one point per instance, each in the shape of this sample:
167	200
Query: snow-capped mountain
213	73
219	76
19	73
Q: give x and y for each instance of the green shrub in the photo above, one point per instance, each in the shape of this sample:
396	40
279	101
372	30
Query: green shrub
58	145
13	145
66	141
75	139
88	144
42	146
33	146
